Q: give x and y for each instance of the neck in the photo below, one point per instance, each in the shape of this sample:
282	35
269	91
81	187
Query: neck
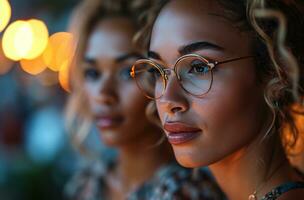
252	168
137	163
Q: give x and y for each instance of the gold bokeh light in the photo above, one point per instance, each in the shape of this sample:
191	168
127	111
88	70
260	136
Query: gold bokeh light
8	40
39	40
25	39
59	51
5	63
5	14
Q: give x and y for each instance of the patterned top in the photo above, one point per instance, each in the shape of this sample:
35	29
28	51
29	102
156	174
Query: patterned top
278	191
170	182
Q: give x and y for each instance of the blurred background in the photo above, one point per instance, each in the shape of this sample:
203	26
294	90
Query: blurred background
36	158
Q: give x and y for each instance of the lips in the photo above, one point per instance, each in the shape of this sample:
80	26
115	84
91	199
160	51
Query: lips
108	122
179	133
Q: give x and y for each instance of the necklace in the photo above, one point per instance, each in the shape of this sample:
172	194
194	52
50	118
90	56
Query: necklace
253	196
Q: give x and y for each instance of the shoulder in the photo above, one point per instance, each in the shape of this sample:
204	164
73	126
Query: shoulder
177	182
286	191
293	194
86	181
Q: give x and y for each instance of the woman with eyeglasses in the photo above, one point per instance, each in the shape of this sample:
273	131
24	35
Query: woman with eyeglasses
225	77
104	93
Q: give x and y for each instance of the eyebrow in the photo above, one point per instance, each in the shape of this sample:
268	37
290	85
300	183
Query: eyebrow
90	61
154	55
121	58
189	48
127	56
196	46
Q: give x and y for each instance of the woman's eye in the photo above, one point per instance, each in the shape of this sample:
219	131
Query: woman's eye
125	74
154	72
91	74
199	67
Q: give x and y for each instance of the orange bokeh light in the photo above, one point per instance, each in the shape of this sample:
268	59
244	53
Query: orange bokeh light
63	76
34	66
60	50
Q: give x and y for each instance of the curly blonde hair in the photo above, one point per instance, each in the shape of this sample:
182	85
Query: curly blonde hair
274	21
277	26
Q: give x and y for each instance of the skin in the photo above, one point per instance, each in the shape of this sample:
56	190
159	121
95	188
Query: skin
117	105
233	116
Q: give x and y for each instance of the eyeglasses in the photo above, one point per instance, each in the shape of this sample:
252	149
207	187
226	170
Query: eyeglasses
194	74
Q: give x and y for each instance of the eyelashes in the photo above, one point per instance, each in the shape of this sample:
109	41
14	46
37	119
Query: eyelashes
93	74
124	74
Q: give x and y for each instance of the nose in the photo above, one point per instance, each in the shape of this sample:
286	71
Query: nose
174	99
106	91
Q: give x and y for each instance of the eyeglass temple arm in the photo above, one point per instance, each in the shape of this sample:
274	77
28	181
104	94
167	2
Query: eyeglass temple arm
234	59
132	72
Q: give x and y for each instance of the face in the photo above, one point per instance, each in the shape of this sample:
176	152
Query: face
204	130
117	105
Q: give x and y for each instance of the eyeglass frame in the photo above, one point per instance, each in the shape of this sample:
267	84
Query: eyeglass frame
165	74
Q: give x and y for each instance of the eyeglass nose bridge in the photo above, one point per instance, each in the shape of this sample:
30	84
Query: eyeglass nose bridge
168	72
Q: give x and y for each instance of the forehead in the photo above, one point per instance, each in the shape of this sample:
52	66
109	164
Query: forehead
111	36
184	21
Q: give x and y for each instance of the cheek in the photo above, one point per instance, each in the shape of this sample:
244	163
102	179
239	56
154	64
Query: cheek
161	112
133	101
233	107
91	93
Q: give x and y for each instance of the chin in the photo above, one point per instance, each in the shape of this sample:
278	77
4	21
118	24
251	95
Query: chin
187	160
108	143
192	160
109	139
